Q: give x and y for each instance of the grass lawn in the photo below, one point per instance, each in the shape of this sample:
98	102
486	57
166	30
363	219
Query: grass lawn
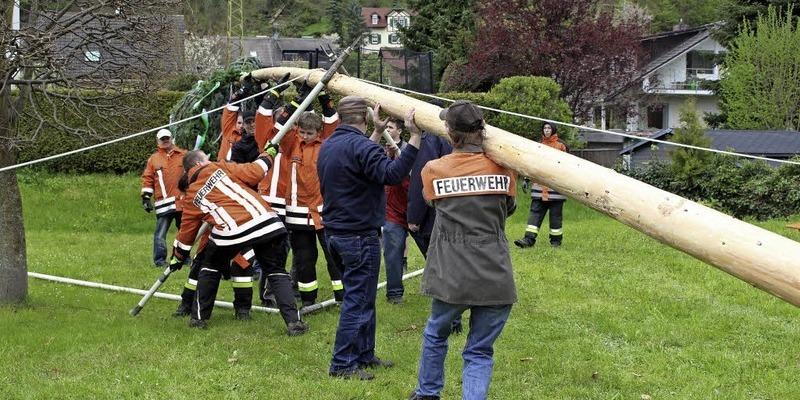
613	314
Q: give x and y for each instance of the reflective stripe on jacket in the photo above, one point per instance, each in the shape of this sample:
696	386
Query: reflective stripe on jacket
160	179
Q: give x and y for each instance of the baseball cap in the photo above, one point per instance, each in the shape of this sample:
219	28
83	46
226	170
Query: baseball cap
463	116
163	133
248	116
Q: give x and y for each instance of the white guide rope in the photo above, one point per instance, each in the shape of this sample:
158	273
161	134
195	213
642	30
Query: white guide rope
688	146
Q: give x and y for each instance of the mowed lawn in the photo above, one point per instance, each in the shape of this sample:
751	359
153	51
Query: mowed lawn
612	314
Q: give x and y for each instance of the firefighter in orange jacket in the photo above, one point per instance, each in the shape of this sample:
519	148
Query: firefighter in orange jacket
544	199
304	200
220	194
160	191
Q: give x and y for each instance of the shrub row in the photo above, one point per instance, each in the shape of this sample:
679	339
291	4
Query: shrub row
740	188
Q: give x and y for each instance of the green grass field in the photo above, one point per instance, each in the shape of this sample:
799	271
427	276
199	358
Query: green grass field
613	314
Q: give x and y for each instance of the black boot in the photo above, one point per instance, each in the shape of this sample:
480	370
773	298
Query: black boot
555	241
527	241
182	310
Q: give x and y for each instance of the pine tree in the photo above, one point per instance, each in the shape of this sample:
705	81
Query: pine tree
689	163
335	11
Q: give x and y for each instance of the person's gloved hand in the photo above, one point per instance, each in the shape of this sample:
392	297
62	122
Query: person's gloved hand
303	90
271	149
246	89
175	264
147	205
526	185
281	81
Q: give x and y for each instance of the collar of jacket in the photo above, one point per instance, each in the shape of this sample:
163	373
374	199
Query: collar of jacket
551	139
346	129
195	171
469	148
173	150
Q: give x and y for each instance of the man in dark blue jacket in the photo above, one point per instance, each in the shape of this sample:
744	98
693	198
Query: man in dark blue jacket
420	215
353	171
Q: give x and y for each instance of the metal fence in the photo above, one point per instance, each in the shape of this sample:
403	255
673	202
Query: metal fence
397	67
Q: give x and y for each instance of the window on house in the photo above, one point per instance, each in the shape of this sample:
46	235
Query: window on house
92	56
400	22
700	63
375	19
394	38
254	54
656	116
375	38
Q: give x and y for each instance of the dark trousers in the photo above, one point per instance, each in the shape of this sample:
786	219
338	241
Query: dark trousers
242	285
423	240
272	258
304	260
163	222
538	210
359	257
264	291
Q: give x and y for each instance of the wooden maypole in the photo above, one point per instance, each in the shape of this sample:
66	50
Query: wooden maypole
764	259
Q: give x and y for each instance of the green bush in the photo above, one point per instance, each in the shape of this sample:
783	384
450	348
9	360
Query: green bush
530	95
121	157
738	187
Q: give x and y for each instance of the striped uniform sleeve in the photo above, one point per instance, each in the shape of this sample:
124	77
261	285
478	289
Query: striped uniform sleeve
147	179
252	173
265	122
191	220
230	114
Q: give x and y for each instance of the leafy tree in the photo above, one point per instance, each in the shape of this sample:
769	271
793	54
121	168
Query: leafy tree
735	12
530	95
334	12
444	27
761	83
688	164
352	23
585	48
72	62
669	13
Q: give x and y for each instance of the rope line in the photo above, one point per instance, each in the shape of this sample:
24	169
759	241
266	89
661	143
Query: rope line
627	135
131	136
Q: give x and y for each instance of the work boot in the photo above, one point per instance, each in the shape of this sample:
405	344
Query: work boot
197	323
377	362
527	241
182	310
395	300
243	315
338	296
415	396
357	373
555	241
296	328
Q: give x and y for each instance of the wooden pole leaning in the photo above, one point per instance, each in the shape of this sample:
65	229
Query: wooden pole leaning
764	259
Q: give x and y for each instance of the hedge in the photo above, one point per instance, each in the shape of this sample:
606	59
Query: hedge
122	157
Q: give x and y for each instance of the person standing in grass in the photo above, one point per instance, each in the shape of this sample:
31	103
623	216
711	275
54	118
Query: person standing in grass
544	199
468	265
160	184
353	171
221	194
395	230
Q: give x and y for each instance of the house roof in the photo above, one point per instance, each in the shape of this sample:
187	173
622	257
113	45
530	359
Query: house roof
367	12
599	137
774	143
702	33
269	50
656	135
754	142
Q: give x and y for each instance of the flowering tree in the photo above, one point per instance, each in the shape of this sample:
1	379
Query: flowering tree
589	50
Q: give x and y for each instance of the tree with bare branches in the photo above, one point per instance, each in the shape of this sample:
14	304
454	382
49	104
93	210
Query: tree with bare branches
66	61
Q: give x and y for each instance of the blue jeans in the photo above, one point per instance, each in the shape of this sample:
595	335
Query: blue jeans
394	245
160	236
358	257
485	325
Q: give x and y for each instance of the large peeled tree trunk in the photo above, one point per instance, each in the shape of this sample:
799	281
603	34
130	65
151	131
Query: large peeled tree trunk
767	260
13	266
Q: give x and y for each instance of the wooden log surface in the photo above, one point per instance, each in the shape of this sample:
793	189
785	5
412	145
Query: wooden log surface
764	259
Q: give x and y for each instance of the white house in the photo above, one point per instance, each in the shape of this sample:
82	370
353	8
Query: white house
383	25
683	63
